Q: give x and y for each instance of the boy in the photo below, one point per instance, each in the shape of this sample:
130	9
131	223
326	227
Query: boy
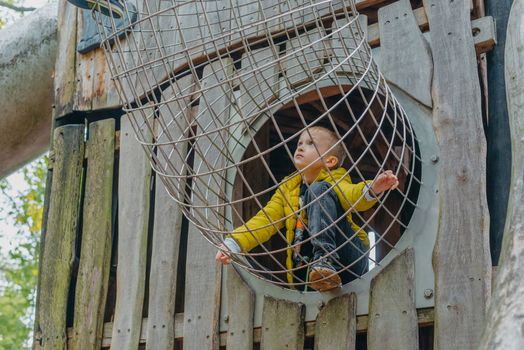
321	192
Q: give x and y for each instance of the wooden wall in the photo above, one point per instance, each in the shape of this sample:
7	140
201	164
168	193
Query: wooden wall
122	268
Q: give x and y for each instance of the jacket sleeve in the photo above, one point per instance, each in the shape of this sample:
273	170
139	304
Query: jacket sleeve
355	195
263	225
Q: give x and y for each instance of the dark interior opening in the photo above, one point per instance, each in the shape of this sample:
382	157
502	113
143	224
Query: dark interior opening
376	140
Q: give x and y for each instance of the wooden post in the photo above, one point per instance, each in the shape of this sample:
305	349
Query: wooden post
336	325
203	274
392	322
461	257
241	308
133	217
497	133
405	56
167	227
503	329
282	325
65	66
62	224
95	253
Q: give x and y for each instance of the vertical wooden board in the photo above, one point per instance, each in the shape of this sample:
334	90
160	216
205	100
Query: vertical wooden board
105	91
258	88
65	66
504	322
62	224
392	322
127	59
259	18
167	224
461	257
85	68
241	311
336	324
203	275
133	216
146	47
405	56
282	325
190	31
345	39
307	53
95	253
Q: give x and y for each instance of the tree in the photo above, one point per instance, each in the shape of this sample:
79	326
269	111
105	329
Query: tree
19	269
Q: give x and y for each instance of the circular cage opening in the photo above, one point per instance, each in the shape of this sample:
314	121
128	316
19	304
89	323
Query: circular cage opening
375	138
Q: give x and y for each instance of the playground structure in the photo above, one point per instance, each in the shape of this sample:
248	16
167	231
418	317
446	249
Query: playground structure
122	267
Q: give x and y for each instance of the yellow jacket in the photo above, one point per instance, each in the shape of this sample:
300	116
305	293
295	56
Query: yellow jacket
282	210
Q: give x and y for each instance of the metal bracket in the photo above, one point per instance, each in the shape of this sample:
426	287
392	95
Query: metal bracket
90	38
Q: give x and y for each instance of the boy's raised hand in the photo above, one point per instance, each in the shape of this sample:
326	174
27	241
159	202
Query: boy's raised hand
385	181
221	257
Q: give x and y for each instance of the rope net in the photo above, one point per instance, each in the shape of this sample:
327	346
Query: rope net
219	93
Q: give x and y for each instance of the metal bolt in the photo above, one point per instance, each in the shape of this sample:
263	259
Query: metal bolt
226	318
428	293
434	158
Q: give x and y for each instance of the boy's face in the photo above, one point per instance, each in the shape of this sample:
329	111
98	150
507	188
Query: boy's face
310	148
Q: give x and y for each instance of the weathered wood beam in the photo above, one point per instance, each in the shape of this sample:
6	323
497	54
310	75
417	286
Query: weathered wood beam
282	325
203	274
95	252
484	31
335	327
503	329
425	318
133	219
461	259
405	56
393	321
62	223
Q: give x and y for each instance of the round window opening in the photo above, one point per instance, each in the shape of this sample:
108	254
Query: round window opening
305	221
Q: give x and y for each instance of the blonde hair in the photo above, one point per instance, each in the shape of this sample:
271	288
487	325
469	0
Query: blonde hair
337	151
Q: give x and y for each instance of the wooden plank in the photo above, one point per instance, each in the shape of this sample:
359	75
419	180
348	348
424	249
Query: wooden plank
336	324
483	24
95	253
203	274
282	325
405	56
105	91
241	311
65	66
133	216
145	46
85	68
424	317
167	224
393	315
62	224
150	66
461	258
258	88
484	34
307	53
504	323
345	40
